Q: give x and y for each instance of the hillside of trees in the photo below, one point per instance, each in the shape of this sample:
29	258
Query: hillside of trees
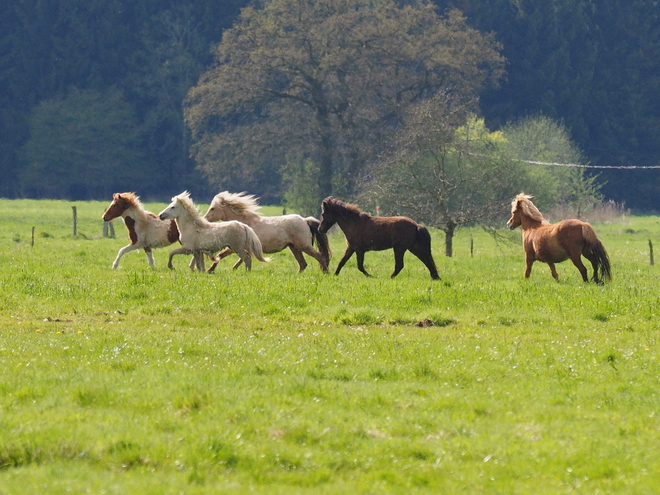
93	93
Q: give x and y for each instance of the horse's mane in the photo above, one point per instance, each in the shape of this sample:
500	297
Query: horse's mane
343	208
239	203
188	205
131	198
524	202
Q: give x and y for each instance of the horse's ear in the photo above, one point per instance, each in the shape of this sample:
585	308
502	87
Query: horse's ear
116	196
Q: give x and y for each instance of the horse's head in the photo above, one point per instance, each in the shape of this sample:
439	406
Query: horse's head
523	210
216	209
173	210
516	215
120	203
328	215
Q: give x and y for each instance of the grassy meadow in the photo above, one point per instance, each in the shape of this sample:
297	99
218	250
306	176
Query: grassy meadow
166	382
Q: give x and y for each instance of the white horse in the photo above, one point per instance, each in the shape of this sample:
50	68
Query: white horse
199	236
275	233
145	230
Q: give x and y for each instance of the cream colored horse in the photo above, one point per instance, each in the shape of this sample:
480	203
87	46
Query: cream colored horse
199	236
275	233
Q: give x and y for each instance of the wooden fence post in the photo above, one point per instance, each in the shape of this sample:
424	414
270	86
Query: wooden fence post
108	229
32	241
651	251
75	220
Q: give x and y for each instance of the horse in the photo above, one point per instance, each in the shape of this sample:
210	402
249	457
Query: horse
145	230
275	233
557	242
367	233
199	236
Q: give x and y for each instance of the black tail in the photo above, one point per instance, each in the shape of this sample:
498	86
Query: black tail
602	268
422	249
602	261
320	238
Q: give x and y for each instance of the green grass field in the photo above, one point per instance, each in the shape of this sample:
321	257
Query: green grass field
166	382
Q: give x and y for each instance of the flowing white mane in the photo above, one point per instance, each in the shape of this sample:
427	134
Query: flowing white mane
523	201
188	205
239	203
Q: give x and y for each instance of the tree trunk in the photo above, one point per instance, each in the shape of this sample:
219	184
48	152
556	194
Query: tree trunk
325	172
450	228
325	140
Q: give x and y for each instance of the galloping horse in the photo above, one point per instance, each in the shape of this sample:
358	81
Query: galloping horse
199	236
557	242
145	230
366	233
275	233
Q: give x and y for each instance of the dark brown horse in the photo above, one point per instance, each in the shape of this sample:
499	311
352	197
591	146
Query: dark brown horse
557	242
366	233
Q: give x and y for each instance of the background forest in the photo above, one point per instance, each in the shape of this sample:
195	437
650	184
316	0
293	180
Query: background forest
93	93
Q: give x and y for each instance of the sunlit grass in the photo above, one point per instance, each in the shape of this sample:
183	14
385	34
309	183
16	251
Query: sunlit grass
164	381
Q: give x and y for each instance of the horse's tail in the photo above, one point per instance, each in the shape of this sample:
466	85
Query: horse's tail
422	249
601	258
254	245
321	239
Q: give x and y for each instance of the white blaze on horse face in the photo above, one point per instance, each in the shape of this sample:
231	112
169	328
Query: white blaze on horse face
512	223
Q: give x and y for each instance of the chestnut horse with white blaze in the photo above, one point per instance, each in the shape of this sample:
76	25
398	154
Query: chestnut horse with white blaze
557	242
199	236
145	230
367	233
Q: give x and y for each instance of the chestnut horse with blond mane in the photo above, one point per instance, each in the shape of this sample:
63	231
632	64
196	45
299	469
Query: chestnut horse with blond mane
364	232
557	242
145	230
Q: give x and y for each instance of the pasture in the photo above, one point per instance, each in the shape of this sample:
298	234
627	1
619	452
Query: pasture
270	381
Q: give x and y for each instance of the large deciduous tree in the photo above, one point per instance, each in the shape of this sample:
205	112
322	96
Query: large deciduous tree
326	81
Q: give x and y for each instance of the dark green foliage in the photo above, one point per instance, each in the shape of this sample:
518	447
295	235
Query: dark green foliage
592	65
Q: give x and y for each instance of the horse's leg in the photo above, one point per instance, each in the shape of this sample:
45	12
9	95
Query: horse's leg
423	252
247	258
317	256
222	254
122	252
181	250
427	259
360	262
199	261
594	264
238	263
577	261
347	254
398	261
150	257
553	270
302	263
529	261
